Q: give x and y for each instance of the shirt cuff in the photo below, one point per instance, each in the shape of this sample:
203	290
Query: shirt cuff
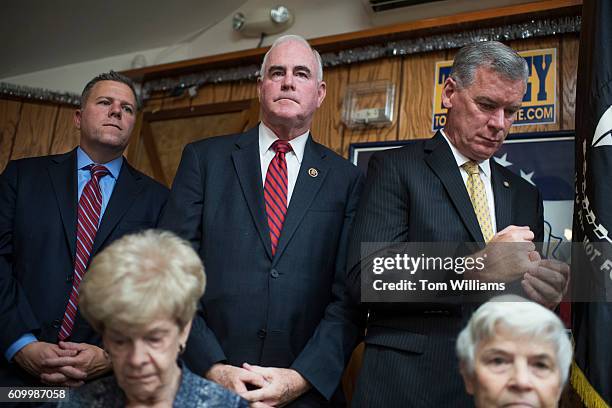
18	345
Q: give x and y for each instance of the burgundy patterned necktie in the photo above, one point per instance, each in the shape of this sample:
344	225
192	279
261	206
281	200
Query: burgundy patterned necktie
275	191
90	205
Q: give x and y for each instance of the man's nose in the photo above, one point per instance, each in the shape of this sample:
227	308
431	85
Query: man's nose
498	119
115	109
287	82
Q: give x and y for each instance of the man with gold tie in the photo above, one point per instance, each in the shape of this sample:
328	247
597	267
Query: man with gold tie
447	189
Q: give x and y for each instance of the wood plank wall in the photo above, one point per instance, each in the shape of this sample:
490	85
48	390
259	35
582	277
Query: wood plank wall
32	129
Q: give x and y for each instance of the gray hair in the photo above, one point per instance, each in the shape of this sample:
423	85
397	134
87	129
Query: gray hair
109	76
296	38
139	278
488	54
521	317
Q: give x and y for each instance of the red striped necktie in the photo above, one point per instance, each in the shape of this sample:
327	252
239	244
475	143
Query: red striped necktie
275	191
90	205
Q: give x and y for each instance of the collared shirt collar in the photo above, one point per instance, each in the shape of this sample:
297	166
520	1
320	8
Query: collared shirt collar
113	166
267	137
485	166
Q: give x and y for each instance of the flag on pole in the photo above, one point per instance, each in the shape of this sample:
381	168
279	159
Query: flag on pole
591	374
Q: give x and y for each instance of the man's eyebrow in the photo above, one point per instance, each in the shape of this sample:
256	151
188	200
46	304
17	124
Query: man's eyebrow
276	67
123	102
301	68
485	99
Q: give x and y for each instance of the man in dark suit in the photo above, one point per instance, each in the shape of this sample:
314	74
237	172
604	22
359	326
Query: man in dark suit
56	212
447	189
269	212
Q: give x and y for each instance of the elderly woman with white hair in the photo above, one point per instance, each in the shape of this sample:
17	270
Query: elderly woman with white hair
514	352
140	294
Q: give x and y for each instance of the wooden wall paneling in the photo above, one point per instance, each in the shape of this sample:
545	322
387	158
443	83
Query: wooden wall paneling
166	132
536	44
10	112
136	151
327	127
568	73
251	115
243	90
35	130
390	69
65	135
416	103
153	153
212	93
173	102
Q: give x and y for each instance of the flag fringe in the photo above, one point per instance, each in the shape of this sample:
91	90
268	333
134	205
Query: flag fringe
585	390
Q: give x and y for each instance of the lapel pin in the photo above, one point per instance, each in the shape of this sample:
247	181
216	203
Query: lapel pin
506	184
312	172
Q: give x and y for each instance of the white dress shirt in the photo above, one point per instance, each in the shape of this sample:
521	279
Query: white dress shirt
484	168
293	158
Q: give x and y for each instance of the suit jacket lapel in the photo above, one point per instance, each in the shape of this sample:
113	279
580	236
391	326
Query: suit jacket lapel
124	195
443	164
503	197
304	192
248	170
63	174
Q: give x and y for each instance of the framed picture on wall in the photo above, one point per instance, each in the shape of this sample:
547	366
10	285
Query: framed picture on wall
544	159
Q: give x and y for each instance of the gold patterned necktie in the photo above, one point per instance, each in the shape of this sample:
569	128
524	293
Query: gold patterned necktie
478	196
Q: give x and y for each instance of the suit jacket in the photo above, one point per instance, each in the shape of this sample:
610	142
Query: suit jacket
38	217
287	310
416	194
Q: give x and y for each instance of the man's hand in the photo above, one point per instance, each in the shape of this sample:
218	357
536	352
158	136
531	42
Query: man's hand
508	255
32	357
88	362
234	378
547	282
283	385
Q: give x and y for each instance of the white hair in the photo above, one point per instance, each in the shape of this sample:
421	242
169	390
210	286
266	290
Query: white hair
295	38
524	319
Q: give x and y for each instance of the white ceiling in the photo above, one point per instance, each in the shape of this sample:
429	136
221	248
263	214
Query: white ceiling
42	34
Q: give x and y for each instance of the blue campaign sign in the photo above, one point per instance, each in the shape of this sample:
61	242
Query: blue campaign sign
539	103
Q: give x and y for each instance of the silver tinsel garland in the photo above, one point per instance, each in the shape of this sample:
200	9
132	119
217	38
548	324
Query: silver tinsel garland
38	94
529	29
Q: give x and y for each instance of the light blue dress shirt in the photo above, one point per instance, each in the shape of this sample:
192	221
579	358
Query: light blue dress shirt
107	185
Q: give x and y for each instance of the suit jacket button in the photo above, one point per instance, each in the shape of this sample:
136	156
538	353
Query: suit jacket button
56	323
274	273
261	333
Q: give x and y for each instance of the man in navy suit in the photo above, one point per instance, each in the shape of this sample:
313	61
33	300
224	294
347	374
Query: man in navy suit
269	212
41	202
419	193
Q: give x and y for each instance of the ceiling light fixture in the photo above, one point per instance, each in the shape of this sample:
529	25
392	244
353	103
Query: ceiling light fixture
263	21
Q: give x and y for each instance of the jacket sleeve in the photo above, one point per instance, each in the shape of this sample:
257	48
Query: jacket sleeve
16	315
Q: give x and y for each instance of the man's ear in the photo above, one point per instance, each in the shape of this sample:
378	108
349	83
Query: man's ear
450	88
77	118
322	91
259	83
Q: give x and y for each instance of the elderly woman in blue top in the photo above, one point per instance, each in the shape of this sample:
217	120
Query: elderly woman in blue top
514	352
141	293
